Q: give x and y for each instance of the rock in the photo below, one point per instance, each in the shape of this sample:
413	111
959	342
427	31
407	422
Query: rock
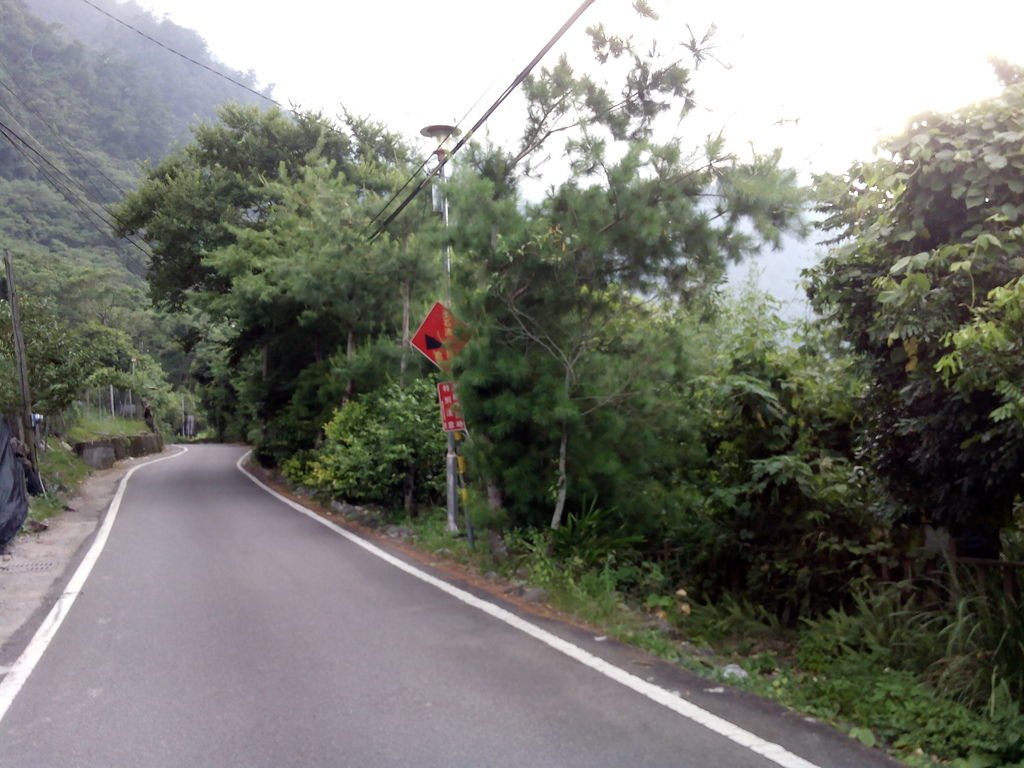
660	625
689	649
535	595
34	526
734	672
399	532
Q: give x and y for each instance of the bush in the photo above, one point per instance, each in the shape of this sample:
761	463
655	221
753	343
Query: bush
386	448
942	675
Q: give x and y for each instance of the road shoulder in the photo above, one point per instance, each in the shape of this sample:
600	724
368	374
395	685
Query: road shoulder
38	565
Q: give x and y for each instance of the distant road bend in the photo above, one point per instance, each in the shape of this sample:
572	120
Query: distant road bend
219	627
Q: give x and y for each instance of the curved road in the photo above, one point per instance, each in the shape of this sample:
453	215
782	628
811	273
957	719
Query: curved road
221	627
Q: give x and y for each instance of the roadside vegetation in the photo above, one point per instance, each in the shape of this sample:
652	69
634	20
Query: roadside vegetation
835	506
61	469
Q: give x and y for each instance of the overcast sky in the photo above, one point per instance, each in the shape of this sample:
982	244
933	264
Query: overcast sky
823	80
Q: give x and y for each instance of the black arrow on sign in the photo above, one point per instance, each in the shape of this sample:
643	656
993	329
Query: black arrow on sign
431	342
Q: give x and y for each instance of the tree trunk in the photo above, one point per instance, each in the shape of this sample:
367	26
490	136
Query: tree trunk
563	451
405	333
563	484
350	352
409	492
495	498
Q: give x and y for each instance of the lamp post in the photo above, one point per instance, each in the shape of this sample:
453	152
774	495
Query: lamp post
442	134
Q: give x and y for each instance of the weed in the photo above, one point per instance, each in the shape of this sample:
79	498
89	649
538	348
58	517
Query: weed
62	473
91	426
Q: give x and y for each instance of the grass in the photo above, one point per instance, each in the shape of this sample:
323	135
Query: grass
92	426
62	473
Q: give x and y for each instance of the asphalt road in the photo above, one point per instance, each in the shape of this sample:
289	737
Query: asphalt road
222	628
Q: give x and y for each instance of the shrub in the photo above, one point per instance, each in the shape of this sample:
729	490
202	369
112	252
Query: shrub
386	448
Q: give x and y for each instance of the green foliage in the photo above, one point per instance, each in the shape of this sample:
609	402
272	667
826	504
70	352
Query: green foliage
97	101
934	665
88	425
383	448
926	239
60	357
259	238
62	472
113	97
226	184
594	536
571	381
786	514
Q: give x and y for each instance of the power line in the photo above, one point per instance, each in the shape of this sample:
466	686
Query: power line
73	153
419	169
516	82
168	48
72	149
321	120
56	178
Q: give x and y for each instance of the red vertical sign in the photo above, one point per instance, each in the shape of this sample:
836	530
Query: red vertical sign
451	411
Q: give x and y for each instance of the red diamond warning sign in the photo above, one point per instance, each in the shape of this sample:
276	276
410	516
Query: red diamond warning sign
435	338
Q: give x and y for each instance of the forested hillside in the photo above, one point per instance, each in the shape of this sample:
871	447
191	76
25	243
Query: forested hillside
85	105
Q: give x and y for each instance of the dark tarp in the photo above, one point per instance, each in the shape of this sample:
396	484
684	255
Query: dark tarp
13	501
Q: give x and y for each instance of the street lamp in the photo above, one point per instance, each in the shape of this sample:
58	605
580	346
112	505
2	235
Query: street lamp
443	134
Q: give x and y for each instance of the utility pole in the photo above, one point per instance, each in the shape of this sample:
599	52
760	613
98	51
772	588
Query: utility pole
442	133
27	429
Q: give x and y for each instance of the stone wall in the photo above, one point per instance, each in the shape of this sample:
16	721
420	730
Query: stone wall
101	454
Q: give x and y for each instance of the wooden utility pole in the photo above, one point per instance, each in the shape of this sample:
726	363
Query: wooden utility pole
27	431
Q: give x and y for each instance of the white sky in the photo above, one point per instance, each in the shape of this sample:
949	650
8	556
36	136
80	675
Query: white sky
849	72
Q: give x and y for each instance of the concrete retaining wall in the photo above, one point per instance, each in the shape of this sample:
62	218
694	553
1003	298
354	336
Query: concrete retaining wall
101	454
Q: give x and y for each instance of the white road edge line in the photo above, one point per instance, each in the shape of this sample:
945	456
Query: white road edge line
773	752
15	678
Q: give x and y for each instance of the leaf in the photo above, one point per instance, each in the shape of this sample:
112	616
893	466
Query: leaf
995	162
899	266
865	736
920	260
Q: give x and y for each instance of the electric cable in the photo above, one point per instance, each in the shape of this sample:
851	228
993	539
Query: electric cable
71	182
419	169
18	124
321	121
168	48
68	181
516	82
53	176
72	149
